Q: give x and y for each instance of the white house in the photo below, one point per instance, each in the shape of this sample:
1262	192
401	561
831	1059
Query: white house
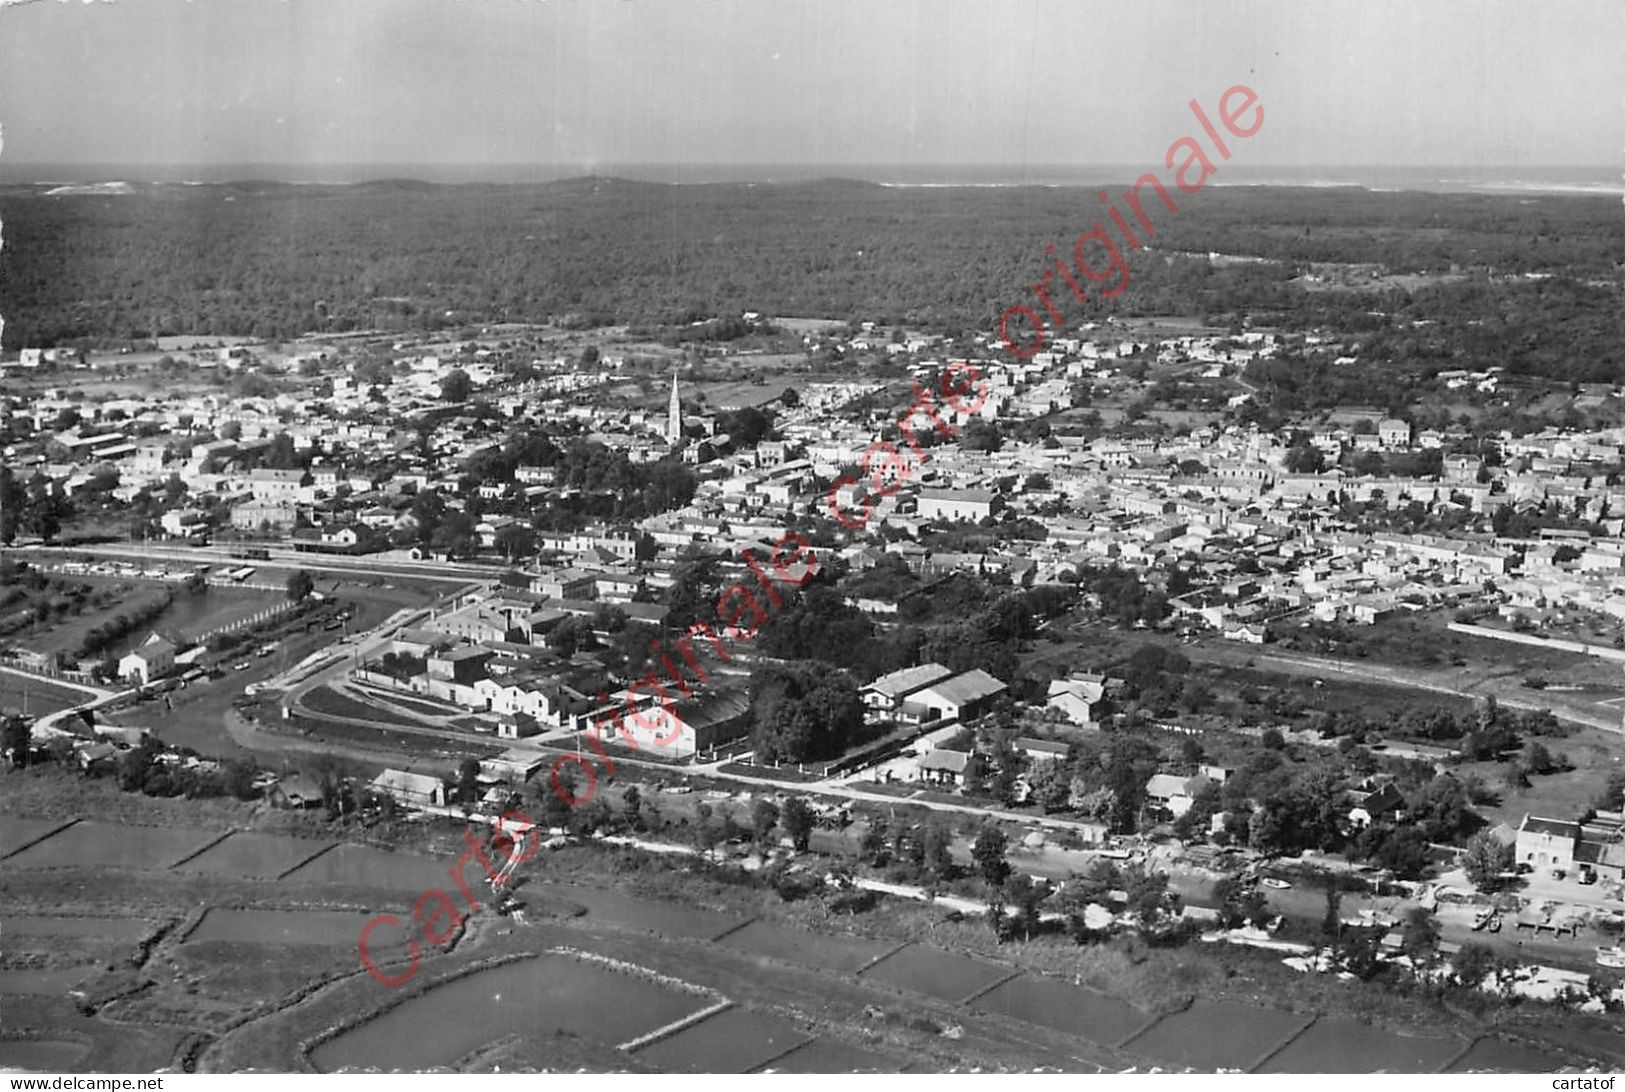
962	697
956	505
1076	698
279	486
1547	843
154	658
883	697
413	790
682	728
1175	794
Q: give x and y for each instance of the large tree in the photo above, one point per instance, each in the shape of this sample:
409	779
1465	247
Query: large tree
15	734
1485	859
455	386
764	817
988	853
797	821
300	585
516	540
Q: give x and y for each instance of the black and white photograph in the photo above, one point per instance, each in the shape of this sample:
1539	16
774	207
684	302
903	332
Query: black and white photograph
782	537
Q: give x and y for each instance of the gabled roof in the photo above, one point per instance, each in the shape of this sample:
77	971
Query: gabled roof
153	648
963	496
1087	690
302	788
899	684
1386	798
951	761
401	781
973	685
1166	786
713	707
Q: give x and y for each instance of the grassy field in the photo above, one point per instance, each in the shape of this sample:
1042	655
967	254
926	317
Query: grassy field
326	700
36	696
1594	755
187	615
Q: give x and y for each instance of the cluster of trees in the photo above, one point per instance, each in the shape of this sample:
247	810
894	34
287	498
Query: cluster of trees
138	770
746	427
300	585
100	637
911	852
16	736
1489	733
1122	595
960	621
35	508
401	665
803	712
818	624
1279	802
41	599
91	269
603	483
991	638
613	487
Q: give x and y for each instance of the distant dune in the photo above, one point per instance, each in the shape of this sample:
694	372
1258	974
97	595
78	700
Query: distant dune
92	189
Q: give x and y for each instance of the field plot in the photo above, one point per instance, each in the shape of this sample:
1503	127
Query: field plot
1211	1035
114	846
1492	1055
194	615
1051	1003
284	927
420	706
258	855
935	973
44	980
132	599
1349	1046
111	929
362	866
832	1056
735	1041
241	976
738	394
663	918
806	949
41	1055
37	696
1592	1041
326	700
16	833
532	998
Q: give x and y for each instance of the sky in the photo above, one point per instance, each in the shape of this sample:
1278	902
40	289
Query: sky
582	84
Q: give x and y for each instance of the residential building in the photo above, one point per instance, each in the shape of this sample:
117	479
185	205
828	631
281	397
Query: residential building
152	659
682	729
1076	698
410	789
1172	794
957	505
884	697
1547	844
963	697
946	768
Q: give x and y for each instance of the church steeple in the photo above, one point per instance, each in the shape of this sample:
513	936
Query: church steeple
674	415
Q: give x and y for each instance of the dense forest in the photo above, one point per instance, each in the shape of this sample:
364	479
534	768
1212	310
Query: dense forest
274	260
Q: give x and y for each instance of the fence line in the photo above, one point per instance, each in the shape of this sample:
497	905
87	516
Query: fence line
256	619
1558	643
